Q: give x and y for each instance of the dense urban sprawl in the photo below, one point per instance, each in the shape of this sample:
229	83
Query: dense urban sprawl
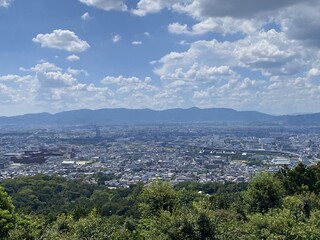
142	153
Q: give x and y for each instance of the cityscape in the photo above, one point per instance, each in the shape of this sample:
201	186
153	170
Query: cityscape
128	154
159	120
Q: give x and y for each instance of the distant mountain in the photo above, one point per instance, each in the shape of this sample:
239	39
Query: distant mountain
147	116
311	119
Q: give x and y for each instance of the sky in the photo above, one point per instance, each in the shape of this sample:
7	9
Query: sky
59	55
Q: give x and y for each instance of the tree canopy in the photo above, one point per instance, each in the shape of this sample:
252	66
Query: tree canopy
285	205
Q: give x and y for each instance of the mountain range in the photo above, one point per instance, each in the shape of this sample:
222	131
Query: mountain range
148	116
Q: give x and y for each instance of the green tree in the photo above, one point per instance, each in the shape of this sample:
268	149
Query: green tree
300	179
158	196
264	192
7	217
27	227
62	228
181	224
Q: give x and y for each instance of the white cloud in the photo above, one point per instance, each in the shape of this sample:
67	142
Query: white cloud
45	66
77	72
200	73
219	74
5	3
184	43
268	59
55	79
116	38
298	19
130	84
63	40
268	52
73	58
225	25
9	77
136	43
178	28
17	79
106	4
48	75
86	16
314	72
51	89
145	7
200	94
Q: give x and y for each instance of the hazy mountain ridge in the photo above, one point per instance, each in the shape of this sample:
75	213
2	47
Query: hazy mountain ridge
141	116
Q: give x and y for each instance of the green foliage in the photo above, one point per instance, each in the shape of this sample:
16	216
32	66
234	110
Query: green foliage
300	179
51	196
27	227
158	196
187	224
47	195
212	187
7	217
102	177
61	228
181	224
281	206
92	227
264	192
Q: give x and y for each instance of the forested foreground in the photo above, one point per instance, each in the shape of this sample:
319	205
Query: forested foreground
285	205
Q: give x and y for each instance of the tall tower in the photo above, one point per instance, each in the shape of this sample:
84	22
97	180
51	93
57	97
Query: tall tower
98	133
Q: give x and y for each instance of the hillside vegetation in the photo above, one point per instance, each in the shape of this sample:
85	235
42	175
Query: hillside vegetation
285	205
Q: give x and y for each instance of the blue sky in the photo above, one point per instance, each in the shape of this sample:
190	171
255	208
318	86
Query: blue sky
247	55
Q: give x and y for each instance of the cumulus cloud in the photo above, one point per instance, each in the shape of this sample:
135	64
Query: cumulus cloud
269	52
197	73
15	78
297	19
178	28
129	84
106	5
220	74
45	66
116	38
51	76
77	72
56	79
51	88
224	25
73	58
86	16
63	40
145	7
270	62
5	3
314	72
136	43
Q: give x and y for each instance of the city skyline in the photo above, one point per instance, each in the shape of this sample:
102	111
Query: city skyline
254	55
